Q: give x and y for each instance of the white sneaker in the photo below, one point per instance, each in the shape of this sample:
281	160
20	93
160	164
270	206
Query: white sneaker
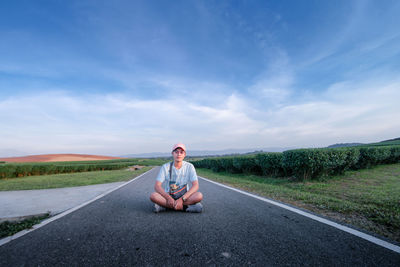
198	207
158	208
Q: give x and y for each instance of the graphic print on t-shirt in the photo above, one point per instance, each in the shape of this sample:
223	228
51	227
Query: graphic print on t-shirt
176	190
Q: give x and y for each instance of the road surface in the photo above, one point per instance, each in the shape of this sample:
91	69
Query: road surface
120	229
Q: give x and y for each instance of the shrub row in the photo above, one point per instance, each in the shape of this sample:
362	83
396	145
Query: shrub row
313	163
11	170
16	170
231	164
305	163
370	156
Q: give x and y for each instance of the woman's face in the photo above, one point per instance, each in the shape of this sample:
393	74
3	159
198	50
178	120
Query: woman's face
179	154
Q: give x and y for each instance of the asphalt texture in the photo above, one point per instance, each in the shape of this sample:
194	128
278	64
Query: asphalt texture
121	229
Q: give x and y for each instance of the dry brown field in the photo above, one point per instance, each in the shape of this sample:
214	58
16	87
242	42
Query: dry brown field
57	157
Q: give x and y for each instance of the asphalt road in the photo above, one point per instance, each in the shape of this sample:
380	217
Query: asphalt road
120	229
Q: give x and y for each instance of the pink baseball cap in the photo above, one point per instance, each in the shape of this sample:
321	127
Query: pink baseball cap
179	145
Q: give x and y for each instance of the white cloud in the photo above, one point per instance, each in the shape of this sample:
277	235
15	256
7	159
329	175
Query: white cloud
117	124
349	112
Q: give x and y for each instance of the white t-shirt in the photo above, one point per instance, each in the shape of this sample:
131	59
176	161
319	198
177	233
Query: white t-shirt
185	175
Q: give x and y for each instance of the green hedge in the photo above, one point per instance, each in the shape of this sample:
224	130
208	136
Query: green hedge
236	164
370	156
16	170
270	164
247	164
12	170
305	163
313	163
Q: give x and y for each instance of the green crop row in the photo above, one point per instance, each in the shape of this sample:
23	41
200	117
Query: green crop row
11	170
305	163
234	164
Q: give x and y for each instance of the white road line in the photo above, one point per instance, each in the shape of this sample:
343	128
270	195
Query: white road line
43	223
370	238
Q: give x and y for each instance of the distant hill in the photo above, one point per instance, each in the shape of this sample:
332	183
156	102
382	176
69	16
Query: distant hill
345	145
229	152
199	153
394	141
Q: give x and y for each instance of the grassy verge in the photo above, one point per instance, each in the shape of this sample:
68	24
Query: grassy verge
68	179
368	199
9	228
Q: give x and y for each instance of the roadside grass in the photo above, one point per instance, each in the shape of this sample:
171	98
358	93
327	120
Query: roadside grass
68	179
9	228
368	199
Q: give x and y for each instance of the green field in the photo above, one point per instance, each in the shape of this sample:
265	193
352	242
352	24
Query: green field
68	179
368	199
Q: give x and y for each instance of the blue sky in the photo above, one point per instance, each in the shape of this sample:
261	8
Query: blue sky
122	77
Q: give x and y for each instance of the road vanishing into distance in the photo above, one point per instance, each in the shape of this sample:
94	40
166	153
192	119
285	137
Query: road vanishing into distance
120	229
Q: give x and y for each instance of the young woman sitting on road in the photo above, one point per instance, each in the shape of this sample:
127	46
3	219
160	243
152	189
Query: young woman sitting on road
180	191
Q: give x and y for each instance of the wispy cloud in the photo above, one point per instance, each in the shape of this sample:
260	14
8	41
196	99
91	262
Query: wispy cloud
348	111
121	124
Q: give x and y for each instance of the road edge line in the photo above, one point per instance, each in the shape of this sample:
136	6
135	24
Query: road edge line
7	239
349	230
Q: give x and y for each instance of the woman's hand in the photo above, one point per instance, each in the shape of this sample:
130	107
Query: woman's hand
171	202
178	204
